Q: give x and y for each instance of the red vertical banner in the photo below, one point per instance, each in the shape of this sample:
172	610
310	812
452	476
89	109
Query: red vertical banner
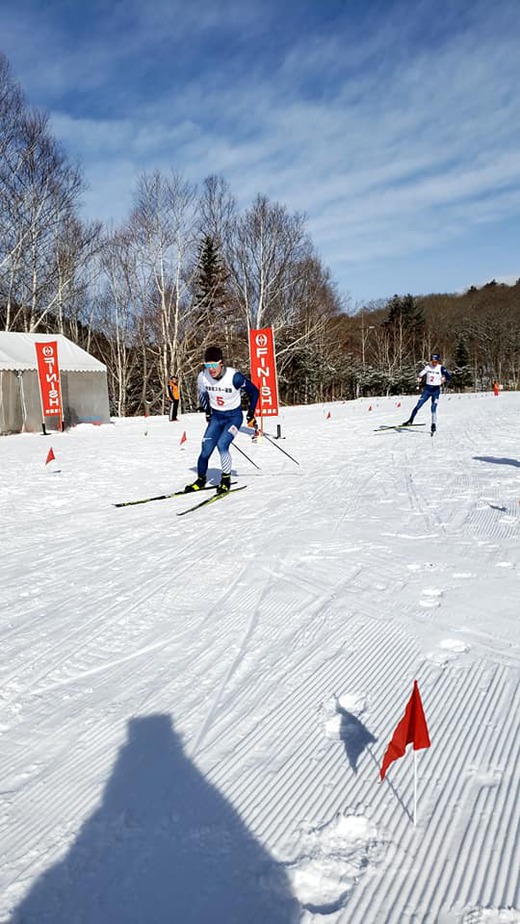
263	370
49	378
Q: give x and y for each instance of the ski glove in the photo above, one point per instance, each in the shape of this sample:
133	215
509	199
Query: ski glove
208	416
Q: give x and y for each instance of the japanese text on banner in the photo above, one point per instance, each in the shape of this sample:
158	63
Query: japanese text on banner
263	370
49	378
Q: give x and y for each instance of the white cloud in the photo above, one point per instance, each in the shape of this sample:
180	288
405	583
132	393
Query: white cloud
391	140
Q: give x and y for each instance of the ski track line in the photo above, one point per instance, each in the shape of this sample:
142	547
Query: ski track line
124	535
499	819
214	648
431	519
468	522
347	493
253	620
455	877
270	721
215	612
310	609
67	576
92	672
353	503
228	720
88	631
312	617
315	688
62	818
442	818
484	523
457	485
62	548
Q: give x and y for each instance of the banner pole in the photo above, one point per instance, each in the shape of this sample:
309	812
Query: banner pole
415	789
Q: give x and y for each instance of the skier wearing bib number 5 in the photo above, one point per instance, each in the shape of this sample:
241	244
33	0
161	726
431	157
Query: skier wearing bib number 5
435	375
219	388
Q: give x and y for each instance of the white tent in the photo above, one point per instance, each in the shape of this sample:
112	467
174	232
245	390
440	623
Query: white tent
83	384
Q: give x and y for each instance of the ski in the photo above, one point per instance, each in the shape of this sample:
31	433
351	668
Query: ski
382	428
210	500
148	500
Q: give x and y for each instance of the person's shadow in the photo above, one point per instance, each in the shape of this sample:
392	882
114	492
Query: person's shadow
354	735
498	461
164	847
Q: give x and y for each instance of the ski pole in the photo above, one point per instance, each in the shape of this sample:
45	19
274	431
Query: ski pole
269	440
246	456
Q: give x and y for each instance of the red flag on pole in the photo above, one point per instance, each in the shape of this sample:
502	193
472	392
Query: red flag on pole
183	438
412	729
50	456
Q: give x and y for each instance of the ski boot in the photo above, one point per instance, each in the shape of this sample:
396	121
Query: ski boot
433	428
225	484
196	486
407	423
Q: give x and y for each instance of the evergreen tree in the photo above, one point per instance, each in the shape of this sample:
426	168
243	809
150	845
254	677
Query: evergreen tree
404	312
212	276
462	375
211	295
403	327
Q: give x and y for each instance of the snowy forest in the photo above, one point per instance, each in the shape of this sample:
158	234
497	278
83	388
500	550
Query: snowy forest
188	267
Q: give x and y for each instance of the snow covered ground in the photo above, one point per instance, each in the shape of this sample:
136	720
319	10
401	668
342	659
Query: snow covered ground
194	709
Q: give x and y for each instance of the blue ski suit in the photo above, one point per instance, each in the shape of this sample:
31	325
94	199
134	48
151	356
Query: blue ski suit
435	377
221	400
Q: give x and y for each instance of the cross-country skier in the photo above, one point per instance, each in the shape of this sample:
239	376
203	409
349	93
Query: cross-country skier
435	375
219	389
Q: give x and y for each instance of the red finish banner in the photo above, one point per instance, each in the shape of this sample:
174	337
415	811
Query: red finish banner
49	377
263	370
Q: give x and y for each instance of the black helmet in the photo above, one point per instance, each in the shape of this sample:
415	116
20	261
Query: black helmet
436	356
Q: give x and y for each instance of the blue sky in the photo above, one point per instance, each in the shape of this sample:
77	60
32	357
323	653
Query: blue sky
394	125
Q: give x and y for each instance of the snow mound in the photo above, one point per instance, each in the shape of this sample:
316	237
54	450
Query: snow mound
491	916
337	856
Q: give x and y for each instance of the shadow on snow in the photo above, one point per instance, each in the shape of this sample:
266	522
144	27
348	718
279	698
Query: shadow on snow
355	736
164	846
498	461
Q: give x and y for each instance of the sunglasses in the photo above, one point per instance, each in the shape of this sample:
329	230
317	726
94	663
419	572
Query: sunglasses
212	365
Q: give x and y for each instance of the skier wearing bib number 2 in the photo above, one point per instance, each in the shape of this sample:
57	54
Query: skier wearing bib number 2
435	375
219	388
